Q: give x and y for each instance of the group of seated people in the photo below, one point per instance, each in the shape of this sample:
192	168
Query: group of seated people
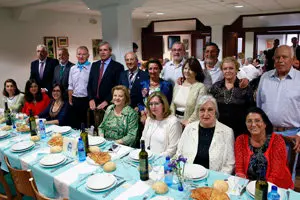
212	124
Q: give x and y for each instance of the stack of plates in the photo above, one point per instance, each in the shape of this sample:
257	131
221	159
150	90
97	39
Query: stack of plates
52	160
195	172
96	140
100	182
59	129
251	189
134	155
22	146
3	134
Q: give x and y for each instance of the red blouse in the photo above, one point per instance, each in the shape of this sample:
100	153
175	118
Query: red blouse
37	107
277	170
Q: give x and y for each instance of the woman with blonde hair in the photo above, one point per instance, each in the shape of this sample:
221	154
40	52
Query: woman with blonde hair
162	130
233	101
120	122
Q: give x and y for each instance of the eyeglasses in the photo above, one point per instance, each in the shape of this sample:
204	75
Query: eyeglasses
154	104
255	121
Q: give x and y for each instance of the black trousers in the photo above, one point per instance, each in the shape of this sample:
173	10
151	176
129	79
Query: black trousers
78	111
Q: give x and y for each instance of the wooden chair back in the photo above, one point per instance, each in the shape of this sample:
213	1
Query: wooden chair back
38	195
95	117
8	194
21	180
291	153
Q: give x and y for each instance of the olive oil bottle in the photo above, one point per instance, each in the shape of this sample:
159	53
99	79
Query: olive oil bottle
32	124
143	158
7	115
85	138
261	186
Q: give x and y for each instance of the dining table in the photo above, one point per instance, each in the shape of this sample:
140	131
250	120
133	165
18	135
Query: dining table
69	179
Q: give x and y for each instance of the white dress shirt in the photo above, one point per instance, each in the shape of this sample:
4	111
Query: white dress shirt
171	72
78	80
251	71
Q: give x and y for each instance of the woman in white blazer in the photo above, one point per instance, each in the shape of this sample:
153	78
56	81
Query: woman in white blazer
162	130
208	142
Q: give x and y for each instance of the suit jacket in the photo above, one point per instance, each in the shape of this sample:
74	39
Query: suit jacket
110	79
46	82
64	80
221	150
135	93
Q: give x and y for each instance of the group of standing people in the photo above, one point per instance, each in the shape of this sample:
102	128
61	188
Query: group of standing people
209	100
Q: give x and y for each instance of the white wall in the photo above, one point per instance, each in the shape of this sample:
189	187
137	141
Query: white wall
262	41
249	43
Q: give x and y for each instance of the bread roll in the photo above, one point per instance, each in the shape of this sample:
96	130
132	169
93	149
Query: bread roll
109	166
55	149
94	149
160	187
221	185
56	135
35	138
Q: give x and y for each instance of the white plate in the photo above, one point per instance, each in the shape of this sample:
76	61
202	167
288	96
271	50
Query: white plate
90	189
134	155
22	146
251	189
52	159
59	129
193	171
162	198
96	140
3	134
50	166
100	181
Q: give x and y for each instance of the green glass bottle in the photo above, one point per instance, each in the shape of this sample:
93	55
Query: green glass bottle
85	138
143	159
32	124
7	115
261	186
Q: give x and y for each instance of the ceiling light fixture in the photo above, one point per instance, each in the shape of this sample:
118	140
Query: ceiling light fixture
239	6
160	13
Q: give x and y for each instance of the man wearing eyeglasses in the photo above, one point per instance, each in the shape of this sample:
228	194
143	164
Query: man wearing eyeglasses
172	70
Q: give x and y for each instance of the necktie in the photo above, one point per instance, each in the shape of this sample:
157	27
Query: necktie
61	71
41	70
131	75
100	77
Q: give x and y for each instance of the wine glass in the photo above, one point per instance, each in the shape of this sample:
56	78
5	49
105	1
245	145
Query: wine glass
237	187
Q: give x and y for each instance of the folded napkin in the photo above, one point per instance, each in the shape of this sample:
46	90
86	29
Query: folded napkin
135	192
236	184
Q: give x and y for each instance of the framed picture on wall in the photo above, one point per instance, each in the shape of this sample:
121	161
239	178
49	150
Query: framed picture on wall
95	45
62	41
50	43
186	44
172	40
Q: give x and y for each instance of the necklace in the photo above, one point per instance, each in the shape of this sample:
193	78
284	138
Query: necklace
227	99
153	129
11	98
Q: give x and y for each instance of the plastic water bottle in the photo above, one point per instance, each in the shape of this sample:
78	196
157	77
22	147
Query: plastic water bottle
168	172
42	129
81	151
273	195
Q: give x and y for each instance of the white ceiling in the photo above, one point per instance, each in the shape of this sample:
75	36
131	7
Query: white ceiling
170	8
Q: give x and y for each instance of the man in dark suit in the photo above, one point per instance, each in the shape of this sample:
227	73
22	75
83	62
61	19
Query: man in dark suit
42	69
270	54
104	75
296	47
61	71
132	78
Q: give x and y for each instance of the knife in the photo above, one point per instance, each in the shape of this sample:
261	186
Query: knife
67	163
113	189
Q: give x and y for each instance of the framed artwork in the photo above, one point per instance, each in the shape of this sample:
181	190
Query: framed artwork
50	43
186	43
95	45
172	40
269	43
62	41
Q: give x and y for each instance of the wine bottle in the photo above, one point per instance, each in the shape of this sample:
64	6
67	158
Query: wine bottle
7	115
85	138
143	159
32	124
261	186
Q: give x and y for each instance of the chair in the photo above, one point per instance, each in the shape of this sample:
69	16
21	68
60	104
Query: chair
291	153
21	181
8	194
95	117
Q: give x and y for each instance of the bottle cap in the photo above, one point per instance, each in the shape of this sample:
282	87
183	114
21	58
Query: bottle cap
168	158
79	139
41	120
274	188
